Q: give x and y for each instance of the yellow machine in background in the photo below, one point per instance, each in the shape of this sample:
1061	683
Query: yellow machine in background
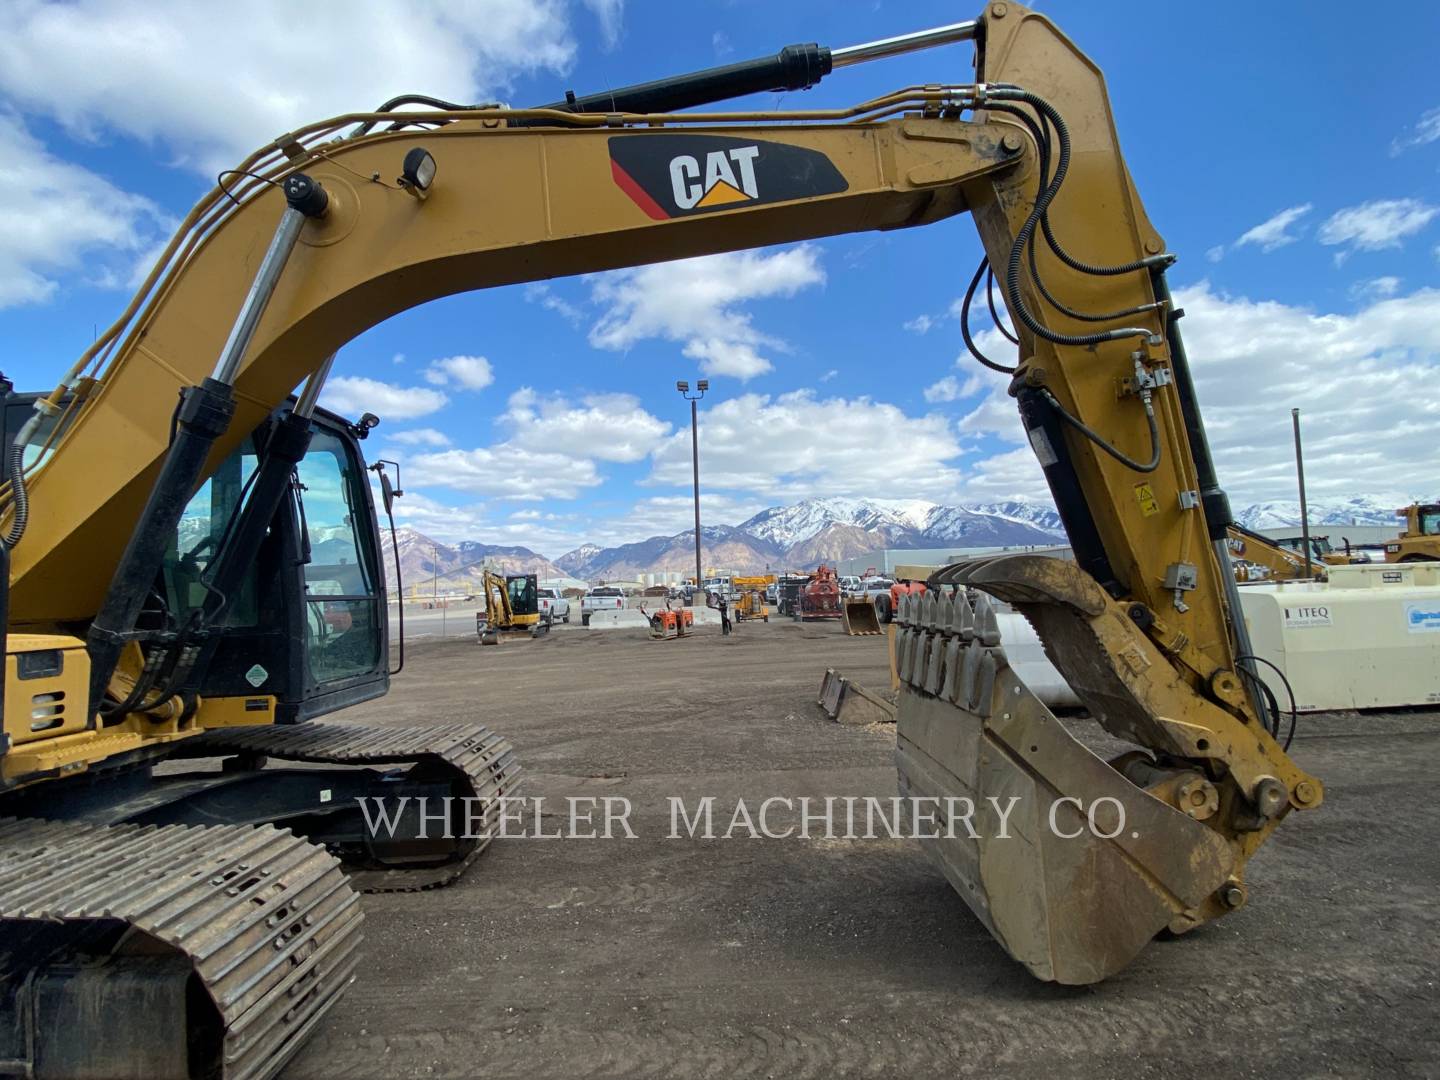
188	547
512	608
1420	542
750	597
1258	558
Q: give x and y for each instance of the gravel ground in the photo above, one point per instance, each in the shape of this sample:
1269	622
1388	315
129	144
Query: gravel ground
662	957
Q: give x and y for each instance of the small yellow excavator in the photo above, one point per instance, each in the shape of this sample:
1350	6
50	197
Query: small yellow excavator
1420	542
190	557
512	609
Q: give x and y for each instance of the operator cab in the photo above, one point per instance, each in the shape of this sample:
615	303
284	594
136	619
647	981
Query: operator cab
317	578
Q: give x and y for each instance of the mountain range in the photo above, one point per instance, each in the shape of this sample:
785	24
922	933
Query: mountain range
801	535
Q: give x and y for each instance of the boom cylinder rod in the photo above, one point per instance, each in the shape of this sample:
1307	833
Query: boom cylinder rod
903	43
242	332
310	393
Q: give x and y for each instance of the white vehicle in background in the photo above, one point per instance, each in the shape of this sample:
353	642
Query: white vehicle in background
717	587
601	598
554	606
850	585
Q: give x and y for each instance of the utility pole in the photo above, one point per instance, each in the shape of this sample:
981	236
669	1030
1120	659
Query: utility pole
434	576
1300	474
684	388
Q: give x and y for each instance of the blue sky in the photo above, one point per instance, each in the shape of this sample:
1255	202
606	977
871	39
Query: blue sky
1302	202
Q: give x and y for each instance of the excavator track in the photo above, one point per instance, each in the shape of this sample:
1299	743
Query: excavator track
479	763
158	951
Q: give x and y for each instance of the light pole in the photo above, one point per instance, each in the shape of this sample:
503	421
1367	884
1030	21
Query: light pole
684	388
1304	510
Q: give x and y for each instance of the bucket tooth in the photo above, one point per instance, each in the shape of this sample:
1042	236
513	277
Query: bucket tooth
935	664
953	649
969	669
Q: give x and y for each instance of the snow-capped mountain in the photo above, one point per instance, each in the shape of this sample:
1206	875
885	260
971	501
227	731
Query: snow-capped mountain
909	521
1041	515
429	563
1356	510
720	545
572	562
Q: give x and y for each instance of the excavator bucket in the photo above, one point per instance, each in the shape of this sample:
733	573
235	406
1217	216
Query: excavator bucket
857	615
1070	866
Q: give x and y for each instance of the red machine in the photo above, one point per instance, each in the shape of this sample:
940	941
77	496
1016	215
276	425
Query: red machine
820	598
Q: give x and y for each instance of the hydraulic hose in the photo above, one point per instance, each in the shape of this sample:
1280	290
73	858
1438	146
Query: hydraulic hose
1099	440
1027	231
965	323
15	468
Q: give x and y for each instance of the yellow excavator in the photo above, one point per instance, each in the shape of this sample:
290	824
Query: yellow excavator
191	559
512	608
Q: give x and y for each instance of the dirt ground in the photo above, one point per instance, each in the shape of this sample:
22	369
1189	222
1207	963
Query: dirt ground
786	958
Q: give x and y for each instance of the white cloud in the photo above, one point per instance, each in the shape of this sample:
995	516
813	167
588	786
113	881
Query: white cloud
695	301
57	217
160	77
720	42
797	444
504	471
1274	232
425	436
1426	130
666	515
1216	253
537	292
466	372
1376	288
610	14
607	427
434	518
920	324
1013	474
946	389
829	375
351	395
1368	386
1374	226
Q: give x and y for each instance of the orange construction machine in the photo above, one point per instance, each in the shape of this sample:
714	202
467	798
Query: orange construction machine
820	598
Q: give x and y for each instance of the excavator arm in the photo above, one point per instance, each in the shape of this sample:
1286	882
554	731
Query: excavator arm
336	227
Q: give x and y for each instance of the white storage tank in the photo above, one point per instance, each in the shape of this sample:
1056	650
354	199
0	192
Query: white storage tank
1369	638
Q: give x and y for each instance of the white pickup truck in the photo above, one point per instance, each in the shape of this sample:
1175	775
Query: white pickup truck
602	598
554	607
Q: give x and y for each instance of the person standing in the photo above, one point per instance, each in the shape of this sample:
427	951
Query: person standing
724	616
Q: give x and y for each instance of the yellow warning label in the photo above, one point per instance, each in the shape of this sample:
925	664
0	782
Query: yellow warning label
1145	496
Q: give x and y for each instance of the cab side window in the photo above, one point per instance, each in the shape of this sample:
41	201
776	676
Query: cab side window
341	597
